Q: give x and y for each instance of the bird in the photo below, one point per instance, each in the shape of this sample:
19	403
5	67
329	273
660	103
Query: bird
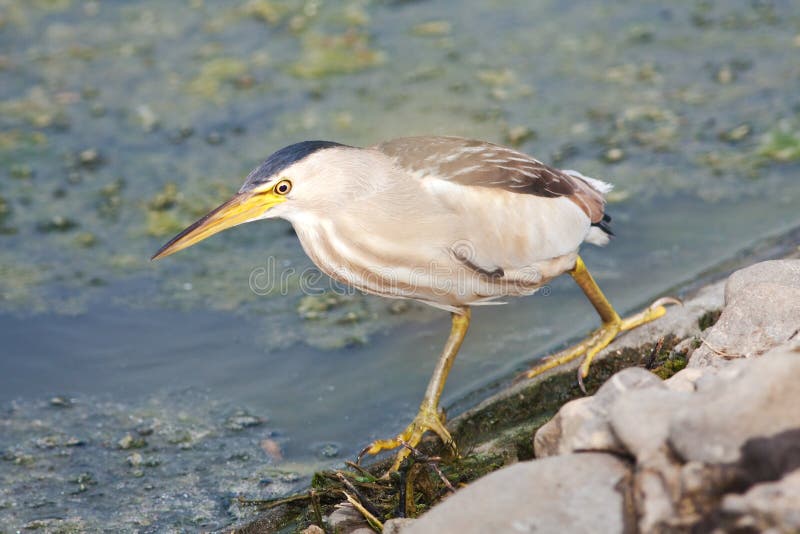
448	221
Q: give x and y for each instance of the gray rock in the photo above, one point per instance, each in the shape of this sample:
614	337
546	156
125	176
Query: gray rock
755	398
762	310
583	424
767	507
578	425
345	519
686	379
397	525
584	492
785	272
641	420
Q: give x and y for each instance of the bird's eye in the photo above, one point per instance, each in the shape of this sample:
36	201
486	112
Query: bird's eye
283	187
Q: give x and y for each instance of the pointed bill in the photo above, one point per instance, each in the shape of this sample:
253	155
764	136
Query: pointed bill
242	208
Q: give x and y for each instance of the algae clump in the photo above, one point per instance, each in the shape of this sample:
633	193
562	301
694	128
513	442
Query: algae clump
328	55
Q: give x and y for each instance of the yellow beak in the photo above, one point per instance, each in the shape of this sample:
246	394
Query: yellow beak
242	208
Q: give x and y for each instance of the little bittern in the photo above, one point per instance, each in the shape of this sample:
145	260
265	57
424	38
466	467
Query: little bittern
451	222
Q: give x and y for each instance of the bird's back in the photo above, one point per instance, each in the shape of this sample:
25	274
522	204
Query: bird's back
476	163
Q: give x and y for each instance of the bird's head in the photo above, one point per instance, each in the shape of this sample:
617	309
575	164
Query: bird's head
289	180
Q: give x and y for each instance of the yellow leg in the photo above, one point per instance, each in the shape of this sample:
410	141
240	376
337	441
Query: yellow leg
611	327
428	417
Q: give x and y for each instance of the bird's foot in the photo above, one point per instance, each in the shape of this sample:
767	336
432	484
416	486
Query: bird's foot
600	339
428	418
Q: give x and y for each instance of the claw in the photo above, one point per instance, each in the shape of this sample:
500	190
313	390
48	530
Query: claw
580	382
664	301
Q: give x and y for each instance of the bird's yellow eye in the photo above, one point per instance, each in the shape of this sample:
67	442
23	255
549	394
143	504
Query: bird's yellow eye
283	187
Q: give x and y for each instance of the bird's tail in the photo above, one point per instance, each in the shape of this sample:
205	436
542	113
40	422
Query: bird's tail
600	233
600	186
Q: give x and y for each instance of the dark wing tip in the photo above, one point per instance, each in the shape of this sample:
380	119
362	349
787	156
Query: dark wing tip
605	224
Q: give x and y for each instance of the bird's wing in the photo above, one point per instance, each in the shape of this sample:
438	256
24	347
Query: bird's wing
478	163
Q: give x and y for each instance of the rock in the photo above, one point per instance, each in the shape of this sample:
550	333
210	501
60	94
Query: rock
613	155
57	223
517	135
61	402
686	379
586	492
313	529
576	425
345	519
327	450
736	134
583	424
768	507
762	310
398	525
129	441
641	420
147	118
706	435
90	158
240	420
783	272
758	398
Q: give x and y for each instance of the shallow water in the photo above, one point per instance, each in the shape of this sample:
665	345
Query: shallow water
692	111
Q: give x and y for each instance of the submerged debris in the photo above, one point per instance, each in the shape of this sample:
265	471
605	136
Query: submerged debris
240	420
129	441
518	135
613	155
736	134
58	223
434	28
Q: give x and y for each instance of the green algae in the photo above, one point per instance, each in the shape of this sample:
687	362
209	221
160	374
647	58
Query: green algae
266	11
18	283
331	55
16	140
37	108
519	135
781	144
5	211
433	28
217	74
670	366
708	319
166	198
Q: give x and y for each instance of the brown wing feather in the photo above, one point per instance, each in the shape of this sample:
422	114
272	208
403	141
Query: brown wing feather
478	163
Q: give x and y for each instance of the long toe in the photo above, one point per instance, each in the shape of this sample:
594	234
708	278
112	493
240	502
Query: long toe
600	339
427	419
566	355
654	311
